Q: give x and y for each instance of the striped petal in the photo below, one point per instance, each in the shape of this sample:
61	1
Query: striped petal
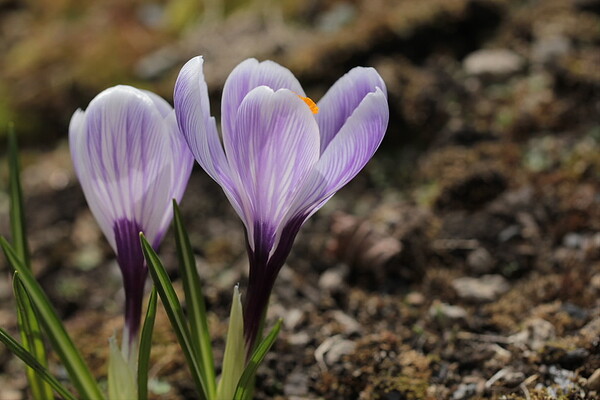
120	151
248	75
343	98
347	153
199	129
271	151
182	158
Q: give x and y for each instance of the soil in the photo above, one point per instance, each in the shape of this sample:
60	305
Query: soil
462	263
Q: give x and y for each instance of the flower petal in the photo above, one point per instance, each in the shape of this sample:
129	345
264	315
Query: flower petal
118	151
192	109
347	153
183	162
273	148
342	98
250	74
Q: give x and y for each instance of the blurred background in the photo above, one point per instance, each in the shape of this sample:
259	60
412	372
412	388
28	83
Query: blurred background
463	262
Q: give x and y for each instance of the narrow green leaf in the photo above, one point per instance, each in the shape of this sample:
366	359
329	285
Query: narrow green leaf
235	350
146	346
61	342
28	325
121	375
31	336
167	294
17	213
245	387
196	309
31	362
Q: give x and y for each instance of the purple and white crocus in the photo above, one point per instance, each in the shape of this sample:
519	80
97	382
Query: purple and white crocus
131	162
281	157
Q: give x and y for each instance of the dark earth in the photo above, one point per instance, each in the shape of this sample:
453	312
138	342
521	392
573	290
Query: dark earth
462	263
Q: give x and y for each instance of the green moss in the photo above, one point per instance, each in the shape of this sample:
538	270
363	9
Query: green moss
409	388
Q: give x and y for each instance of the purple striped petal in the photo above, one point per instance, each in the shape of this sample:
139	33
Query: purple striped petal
271	151
343	98
120	151
183	160
347	153
248	75
199	129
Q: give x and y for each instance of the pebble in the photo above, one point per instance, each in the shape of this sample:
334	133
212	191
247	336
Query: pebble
535	334
296	384
443	312
484	289
593	382
333	279
481	261
548	49
415	299
332	349
494	62
465	391
349	325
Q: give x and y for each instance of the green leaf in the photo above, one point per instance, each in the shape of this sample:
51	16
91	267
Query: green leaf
196	309
245	387
28	324
17	213
167	294
146	346
31	336
61	342
235	350
31	362
121	375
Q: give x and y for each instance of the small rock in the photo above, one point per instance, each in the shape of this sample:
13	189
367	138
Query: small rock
548	49
299	339
349	325
332	350
481	261
573	240
495	62
447	313
465	391
536	332
293	318
593	382
415	298
296	384
480	290
333	279
338	350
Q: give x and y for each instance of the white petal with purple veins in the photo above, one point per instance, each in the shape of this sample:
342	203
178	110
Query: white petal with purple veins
122	158
343	98
192	109
347	153
273	148
250	74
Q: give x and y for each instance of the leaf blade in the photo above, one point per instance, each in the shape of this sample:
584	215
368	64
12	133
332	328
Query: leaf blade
31	362
31	336
235	350
18	229
194	301
174	311
245	387
61	342
146	345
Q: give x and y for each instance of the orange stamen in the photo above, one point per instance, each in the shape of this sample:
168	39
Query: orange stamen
311	104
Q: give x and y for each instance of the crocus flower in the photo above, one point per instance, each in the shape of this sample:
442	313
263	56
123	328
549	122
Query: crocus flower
131	162
282	157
